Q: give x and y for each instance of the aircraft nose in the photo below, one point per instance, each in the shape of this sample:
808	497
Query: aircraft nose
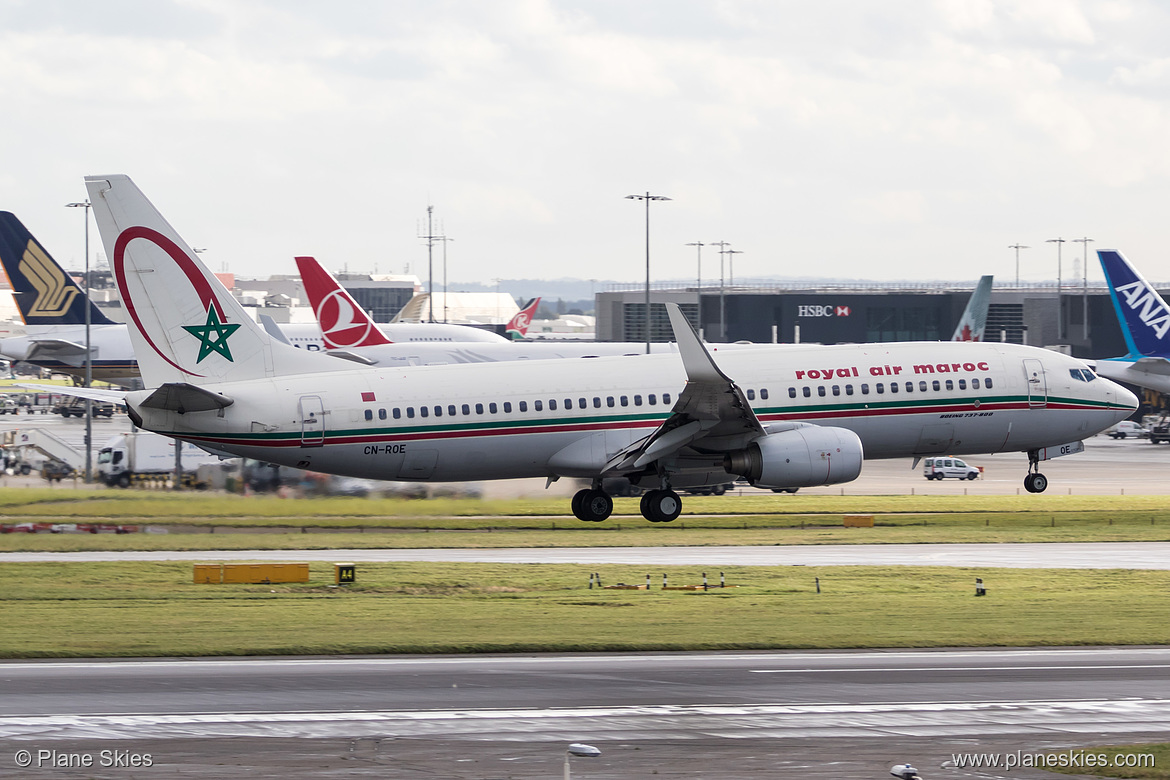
1123	397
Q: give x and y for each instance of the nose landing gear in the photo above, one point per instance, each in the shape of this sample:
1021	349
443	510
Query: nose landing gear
1035	482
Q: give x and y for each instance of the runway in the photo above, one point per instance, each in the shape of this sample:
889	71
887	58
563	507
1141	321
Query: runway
733	705
1054	555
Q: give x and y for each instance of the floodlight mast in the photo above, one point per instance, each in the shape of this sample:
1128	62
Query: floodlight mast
647	198
89	352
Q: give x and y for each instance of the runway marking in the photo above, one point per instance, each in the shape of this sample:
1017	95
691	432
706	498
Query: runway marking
1003	668
635	722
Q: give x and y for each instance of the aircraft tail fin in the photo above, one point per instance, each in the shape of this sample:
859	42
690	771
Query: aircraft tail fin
44	293
974	320
344	323
518	325
1144	315
186	328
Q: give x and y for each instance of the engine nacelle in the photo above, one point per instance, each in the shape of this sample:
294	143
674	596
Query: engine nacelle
803	456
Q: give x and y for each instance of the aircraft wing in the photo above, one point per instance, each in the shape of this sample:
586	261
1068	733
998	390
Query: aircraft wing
92	393
711	412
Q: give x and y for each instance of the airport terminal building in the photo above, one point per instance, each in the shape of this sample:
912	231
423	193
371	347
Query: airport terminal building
1081	322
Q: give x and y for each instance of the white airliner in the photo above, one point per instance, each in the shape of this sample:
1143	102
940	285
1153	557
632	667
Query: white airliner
790	418
349	332
53	308
1145	323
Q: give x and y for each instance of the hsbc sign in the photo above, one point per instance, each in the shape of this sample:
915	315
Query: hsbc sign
822	311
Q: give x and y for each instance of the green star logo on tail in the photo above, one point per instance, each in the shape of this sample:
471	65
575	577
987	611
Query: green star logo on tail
213	336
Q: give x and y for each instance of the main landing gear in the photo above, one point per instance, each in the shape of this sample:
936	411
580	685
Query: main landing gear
1035	482
594	505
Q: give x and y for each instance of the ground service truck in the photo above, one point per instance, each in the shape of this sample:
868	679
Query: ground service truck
143	454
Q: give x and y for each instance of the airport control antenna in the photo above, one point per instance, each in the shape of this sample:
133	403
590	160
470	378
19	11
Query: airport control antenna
431	238
1018	247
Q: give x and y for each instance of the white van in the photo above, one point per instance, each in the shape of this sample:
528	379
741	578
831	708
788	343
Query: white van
1127	428
941	468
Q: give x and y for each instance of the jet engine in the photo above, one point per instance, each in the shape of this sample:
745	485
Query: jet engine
801	456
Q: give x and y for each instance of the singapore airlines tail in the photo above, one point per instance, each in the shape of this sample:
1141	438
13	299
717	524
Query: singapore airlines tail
1144	315
44	293
974	320
518	325
344	323
186	328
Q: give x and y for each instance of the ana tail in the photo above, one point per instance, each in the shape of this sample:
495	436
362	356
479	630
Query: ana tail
518	325
185	326
1144	316
344	324
44	293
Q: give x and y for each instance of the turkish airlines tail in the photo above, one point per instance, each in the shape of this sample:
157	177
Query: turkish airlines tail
518	325
44	293
974	320
344	323
186	328
1144	315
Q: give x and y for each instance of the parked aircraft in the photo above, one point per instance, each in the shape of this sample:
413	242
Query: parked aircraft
974	320
350	332
518	325
793	417
53	308
1145	324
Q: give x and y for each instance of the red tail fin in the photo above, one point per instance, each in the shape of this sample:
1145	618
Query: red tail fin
518	325
344	324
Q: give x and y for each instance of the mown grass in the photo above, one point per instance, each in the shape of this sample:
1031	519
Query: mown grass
1160	751
234	522
153	609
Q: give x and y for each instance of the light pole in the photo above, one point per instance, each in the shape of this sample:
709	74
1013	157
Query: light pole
1018	247
731	253
88	349
1084	242
722	294
578	749
698	245
647	198
1059	314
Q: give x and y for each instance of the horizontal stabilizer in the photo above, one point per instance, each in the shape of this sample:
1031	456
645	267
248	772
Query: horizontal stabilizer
92	393
58	348
1153	365
182	398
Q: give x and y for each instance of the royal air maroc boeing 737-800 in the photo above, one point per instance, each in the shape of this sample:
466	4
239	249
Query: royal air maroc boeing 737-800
778	416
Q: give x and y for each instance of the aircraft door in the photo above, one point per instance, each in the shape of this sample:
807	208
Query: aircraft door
312	421
1037	384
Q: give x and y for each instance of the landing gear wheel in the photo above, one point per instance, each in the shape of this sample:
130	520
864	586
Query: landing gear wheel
718	490
578	499
593	506
1039	483
661	506
1028	480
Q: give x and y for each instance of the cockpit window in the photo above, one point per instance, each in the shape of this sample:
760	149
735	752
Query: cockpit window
1082	374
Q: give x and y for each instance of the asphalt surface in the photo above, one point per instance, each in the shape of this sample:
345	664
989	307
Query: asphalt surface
1047	555
727	715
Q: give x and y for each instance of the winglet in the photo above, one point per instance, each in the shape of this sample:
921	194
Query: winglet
697	361
1144	315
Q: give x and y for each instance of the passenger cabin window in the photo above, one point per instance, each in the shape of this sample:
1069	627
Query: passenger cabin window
609	401
552	404
568	403
821	390
950	384
422	411
479	408
751	395
382	414
625	400
763	393
792	392
836	389
975	383
466	408
848	389
922	386
537	406
935	385
596	402
451	410
653	399
507	407
666	398
492	407
881	388
987	383
864	388
807	391
962	384
410	412
637	400
369	414
524	406
893	387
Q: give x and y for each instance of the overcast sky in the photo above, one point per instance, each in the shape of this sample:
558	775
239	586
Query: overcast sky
841	138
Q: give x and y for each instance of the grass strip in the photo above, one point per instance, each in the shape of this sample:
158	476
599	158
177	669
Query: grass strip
153	609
